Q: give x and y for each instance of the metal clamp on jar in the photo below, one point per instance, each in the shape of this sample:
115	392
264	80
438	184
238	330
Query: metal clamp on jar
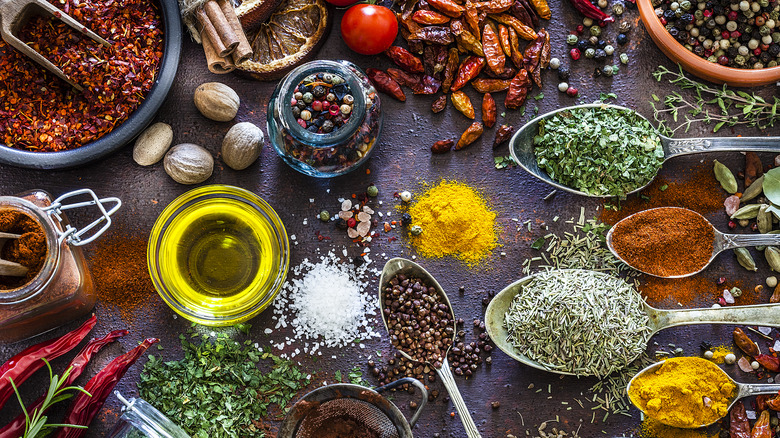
60	289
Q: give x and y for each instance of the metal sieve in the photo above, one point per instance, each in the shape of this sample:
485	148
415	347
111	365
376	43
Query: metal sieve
345	404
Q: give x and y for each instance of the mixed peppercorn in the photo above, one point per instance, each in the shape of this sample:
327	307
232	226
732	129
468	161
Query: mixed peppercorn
733	33
39	112
322	103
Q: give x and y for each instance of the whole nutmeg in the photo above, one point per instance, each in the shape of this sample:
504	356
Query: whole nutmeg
216	101
188	163
242	145
152	144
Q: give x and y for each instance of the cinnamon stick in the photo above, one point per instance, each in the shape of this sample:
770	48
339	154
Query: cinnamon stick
216	64
243	50
208	29
224	30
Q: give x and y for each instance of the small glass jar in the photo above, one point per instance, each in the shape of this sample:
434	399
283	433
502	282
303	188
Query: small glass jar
62	291
325	155
140	419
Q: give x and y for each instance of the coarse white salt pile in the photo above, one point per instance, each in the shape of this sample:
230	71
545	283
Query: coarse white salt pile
327	303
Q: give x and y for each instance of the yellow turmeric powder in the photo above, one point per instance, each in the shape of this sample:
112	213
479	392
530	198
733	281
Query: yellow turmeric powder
683	392
654	429
719	354
455	221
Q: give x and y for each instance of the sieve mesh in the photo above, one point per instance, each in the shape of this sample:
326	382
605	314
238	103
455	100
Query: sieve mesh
365	414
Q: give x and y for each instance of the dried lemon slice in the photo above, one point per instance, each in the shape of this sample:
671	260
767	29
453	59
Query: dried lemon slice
290	37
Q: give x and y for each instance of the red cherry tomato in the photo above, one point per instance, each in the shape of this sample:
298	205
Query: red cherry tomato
342	3
369	29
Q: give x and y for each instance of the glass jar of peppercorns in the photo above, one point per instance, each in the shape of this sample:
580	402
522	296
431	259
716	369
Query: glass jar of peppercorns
324	118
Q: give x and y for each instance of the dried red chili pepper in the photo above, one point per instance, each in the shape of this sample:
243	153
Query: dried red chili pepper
494	6
532	56
503	37
385	83
428	85
448	7
761	401
430	17
490	85
493	52
414	46
503	134
407	8
775	298
450	69
589	10
408	24
774	403
523	31
744	343
544	58
469	136
23	365
761	428
771	363
439	104
405	59
517	52
520	10
739	425
542	8
468	70
442	146
472	20
84	407
440	55
489	111
462	103
433	35
508	73
409	80
470	43
518	90
15	428
753	168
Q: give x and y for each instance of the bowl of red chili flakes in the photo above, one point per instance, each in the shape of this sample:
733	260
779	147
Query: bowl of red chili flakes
45	123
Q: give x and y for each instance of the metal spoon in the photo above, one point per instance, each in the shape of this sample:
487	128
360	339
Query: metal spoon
761	315
409	268
722	242
522	146
8	268
743	390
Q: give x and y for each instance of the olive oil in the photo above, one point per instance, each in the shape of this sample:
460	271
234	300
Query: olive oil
220	257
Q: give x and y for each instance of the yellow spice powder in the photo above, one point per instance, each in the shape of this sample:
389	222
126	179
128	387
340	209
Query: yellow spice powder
683	392
456	221
654	429
719	354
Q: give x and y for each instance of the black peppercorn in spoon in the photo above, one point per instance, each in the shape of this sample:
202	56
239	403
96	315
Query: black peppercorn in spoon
400	266
522	148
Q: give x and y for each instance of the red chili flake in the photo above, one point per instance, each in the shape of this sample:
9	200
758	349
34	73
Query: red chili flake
39	112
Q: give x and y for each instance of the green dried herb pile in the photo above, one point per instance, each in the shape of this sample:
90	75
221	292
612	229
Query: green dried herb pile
602	151
218	390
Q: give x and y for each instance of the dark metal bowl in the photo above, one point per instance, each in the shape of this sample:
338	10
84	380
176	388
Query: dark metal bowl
134	124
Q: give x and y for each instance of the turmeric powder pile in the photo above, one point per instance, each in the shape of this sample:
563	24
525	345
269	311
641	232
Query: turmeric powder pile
683	392
455	221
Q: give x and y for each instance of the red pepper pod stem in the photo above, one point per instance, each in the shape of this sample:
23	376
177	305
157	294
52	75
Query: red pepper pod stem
84	408
25	364
15	429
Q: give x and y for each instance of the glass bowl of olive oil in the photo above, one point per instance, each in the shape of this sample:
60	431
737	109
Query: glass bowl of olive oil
218	255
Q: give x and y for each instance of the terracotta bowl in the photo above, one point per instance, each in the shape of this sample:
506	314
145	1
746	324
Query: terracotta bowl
700	67
135	123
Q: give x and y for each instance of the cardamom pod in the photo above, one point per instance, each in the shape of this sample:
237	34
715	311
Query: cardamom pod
725	177
760	248
745	259
749	211
772	255
764	219
753	190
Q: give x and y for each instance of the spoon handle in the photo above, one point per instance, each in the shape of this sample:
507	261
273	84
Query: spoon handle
731	241
762	315
746	390
694	145
445	374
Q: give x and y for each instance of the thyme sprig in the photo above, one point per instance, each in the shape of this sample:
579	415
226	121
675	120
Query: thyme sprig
721	106
35	424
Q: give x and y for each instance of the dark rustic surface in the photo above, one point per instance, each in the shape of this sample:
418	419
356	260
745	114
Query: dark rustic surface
401	162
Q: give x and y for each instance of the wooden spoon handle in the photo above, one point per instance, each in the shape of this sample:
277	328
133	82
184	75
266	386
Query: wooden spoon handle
12	269
9	236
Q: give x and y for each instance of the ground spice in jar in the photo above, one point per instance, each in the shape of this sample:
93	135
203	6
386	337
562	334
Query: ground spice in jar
29	250
40	112
664	241
676	392
456	221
